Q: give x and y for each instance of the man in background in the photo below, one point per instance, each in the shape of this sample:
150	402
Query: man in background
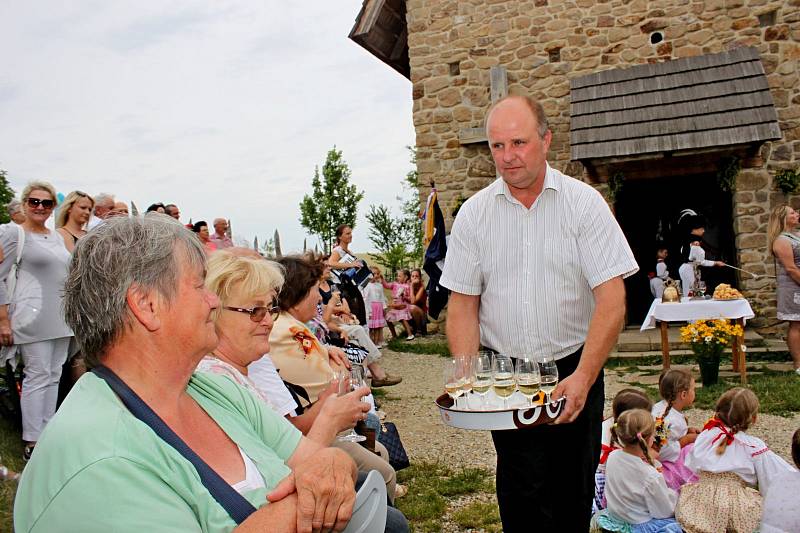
103	205
220	235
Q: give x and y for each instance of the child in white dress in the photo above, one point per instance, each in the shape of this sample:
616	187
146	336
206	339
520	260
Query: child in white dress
625	400
661	274
730	464
781	512
639	500
676	387
375	302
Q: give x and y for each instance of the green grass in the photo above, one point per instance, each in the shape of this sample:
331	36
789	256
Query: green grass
431	486
479	515
420	346
778	392
11	452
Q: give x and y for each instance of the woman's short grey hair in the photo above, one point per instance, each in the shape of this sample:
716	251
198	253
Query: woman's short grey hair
14	206
120	253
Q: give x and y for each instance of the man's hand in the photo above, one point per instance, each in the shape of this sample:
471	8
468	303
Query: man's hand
325	485
338	356
575	387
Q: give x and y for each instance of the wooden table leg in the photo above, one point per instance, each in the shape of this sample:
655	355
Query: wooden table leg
738	353
664	345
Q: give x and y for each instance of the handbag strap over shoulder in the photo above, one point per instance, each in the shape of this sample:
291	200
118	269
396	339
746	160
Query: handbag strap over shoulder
11	281
234	503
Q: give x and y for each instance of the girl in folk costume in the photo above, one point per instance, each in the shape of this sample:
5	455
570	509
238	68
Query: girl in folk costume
639	500
676	387
375	301
625	400
730	463
781	512
400	309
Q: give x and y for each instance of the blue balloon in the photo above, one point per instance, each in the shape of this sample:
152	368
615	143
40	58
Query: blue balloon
60	197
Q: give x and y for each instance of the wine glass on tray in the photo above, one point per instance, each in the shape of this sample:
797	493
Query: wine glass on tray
482	375
527	375
503	375
548	373
452	382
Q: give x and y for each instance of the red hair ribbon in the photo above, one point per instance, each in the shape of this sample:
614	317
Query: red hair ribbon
717	423
606	451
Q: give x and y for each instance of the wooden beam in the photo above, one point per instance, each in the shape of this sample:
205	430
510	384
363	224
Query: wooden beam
472	135
499	82
498	78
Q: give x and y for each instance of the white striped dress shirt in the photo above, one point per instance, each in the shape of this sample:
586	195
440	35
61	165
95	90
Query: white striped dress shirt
535	269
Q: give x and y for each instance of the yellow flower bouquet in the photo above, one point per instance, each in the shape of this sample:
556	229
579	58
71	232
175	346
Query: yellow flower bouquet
708	339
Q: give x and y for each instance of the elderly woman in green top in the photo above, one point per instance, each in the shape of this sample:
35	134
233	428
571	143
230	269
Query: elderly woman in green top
136	299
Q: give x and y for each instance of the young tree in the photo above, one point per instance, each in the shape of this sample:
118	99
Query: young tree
399	240
411	225
6	195
387	235
333	201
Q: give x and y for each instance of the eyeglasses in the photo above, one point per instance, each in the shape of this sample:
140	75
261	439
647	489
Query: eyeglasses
257	313
36	202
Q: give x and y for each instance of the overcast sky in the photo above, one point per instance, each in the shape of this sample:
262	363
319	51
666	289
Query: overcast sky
223	108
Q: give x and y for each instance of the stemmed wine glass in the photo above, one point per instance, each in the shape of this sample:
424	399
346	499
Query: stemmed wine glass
350	380
482	375
503	375
548	373
452	383
528	379
466	378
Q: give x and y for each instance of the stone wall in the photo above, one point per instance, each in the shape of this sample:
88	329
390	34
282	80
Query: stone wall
543	43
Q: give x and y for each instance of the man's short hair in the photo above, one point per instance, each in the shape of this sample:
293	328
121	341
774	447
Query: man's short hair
169	207
101	200
532	103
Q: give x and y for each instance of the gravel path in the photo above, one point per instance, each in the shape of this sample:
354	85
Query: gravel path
410	406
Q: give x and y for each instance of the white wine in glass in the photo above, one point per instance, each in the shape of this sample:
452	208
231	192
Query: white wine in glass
350	380
503	375
482	375
528	380
548	372
452	384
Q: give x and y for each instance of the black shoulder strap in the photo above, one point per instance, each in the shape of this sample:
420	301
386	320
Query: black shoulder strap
233	502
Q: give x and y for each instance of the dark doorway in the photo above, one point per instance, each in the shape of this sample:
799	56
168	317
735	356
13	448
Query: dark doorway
648	209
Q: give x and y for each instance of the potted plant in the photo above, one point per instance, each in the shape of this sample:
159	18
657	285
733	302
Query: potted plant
708	339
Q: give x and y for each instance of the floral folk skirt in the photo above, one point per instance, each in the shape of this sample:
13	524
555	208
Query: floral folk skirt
719	503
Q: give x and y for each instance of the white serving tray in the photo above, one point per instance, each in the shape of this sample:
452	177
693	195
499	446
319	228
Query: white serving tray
492	416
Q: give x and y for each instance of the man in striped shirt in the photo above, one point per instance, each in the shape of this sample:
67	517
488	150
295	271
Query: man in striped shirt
535	264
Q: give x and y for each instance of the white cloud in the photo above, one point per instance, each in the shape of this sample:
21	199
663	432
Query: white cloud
222	108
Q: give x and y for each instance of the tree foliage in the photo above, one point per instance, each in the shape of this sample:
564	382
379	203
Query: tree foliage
387	235
333	201
398	240
6	195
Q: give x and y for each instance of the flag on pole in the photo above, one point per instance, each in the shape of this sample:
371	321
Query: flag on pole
436	243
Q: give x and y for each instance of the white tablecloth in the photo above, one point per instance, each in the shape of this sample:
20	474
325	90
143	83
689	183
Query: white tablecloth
689	310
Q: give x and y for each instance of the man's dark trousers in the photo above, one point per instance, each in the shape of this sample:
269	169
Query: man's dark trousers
545	474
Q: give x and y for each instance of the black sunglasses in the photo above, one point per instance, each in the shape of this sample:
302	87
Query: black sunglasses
257	313
36	202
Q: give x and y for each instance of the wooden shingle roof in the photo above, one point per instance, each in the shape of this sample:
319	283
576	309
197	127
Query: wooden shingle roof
381	29
706	101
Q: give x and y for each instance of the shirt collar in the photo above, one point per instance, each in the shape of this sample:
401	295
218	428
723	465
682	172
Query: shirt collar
551	181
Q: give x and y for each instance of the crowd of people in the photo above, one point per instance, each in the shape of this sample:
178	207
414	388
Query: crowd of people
233	360
657	474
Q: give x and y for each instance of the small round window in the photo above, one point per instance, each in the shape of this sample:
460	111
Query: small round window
656	37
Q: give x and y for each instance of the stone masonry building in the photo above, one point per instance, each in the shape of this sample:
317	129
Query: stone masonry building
662	105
